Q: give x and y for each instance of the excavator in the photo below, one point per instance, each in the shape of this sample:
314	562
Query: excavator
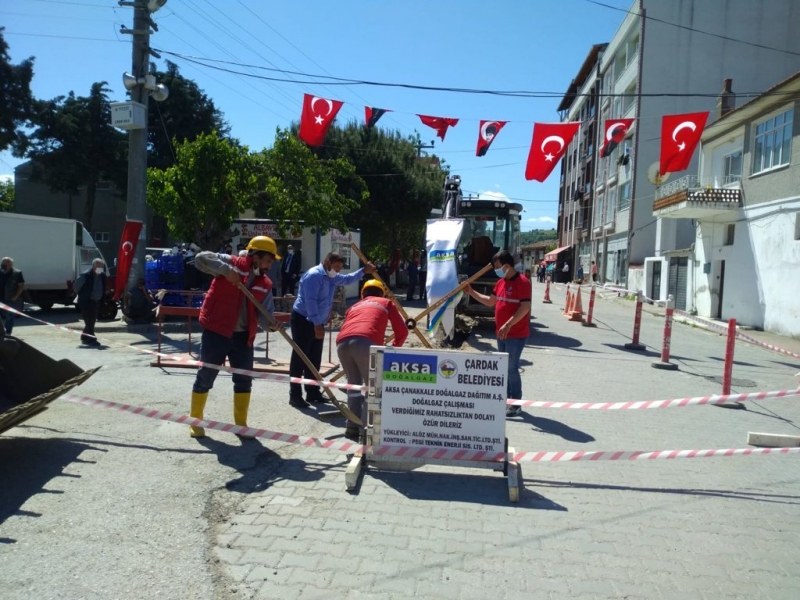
490	225
30	380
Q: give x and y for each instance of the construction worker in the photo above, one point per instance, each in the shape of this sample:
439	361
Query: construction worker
230	321
364	326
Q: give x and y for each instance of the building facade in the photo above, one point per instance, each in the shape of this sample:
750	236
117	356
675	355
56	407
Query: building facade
744	202
671	58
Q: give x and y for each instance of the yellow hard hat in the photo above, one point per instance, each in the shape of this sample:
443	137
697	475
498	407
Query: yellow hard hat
374	283
262	243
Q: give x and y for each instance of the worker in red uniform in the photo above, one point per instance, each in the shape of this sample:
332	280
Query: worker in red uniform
230	321
364	326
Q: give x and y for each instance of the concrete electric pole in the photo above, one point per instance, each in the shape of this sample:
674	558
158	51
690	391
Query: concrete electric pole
141	85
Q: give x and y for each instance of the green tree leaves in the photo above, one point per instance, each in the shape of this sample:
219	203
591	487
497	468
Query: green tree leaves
6	196
16	101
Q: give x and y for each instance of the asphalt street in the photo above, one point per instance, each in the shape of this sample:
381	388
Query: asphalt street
101	504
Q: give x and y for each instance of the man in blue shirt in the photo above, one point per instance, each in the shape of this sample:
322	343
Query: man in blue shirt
311	311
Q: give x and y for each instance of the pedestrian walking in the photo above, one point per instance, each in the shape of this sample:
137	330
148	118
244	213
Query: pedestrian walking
12	284
579	274
594	272
91	288
511	299
413	276
364	326
230	322
290	271
565	272
310	312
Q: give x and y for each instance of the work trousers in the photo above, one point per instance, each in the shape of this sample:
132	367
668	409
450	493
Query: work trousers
303	336
214	350
354	355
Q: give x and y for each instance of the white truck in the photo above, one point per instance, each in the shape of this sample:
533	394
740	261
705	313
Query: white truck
51	253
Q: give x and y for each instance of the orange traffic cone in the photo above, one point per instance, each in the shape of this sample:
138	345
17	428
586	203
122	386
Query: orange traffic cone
577	308
547	293
567	305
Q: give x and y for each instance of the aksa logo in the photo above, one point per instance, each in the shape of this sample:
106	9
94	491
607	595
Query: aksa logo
409	367
448	368
441	255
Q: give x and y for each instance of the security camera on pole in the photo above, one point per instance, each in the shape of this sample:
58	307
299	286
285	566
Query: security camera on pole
133	117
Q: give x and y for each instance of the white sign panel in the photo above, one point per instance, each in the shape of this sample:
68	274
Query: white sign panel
452	400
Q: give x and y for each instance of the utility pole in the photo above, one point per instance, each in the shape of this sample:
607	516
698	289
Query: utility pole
140	85
420	146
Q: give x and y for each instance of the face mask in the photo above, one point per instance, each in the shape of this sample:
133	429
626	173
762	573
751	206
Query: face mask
500	273
291	251
332	273
98	270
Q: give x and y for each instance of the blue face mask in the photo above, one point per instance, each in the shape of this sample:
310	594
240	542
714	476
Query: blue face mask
500	273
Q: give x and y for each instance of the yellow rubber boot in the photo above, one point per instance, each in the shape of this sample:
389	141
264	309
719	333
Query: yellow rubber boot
198	404
241	404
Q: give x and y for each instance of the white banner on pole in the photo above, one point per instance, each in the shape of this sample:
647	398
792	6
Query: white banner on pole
441	240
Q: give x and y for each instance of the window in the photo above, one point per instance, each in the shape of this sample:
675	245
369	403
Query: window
732	168
730	230
619	64
598	211
611	205
625	195
102	237
797	226
773	142
630	98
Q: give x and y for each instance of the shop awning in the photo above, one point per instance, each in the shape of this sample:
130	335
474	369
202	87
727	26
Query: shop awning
551	256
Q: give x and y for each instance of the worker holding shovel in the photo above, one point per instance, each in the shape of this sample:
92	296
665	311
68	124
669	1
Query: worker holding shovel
230	321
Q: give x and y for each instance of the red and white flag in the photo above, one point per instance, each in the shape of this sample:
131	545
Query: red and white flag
486	134
127	250
316	118
616	130
550	142
440	124
680	135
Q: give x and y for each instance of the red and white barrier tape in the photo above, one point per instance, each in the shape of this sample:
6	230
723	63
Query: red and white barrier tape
418	452
641	404
630	405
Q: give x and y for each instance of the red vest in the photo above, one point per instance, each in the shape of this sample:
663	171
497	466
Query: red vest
223	302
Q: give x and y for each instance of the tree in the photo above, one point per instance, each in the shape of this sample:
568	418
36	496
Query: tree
6	196
212	181
16	101
184	115
300	190
75	145
403	187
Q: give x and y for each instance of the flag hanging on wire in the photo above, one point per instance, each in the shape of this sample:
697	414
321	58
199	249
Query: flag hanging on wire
440	124
316	118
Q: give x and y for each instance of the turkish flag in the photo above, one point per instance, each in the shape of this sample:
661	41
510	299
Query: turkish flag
680	135
486	134
371	115
616	130
316	119
440	124
127	249
549	144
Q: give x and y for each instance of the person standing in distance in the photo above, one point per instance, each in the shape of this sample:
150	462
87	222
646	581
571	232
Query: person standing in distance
311	311
230	322
511	299
90	287
12	284
364	326
290	271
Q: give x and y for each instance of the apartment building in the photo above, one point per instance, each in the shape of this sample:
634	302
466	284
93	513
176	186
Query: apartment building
667	57
744	200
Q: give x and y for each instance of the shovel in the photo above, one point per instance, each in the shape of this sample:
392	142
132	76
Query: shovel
337	403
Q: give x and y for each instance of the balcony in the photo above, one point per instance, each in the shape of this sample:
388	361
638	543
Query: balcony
689	198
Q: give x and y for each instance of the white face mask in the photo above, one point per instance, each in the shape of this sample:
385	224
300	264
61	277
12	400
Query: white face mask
331	273
98	270
291	251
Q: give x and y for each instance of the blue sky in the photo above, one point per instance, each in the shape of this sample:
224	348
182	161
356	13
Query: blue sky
534	45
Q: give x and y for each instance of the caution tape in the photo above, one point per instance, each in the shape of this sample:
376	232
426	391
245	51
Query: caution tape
643	404
422	452
629	405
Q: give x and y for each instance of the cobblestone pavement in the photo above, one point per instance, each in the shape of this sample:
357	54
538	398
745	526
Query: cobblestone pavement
220	519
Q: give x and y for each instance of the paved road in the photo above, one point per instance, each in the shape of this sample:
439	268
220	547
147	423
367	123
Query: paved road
106	505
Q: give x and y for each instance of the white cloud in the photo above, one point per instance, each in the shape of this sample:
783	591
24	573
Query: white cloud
540	220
